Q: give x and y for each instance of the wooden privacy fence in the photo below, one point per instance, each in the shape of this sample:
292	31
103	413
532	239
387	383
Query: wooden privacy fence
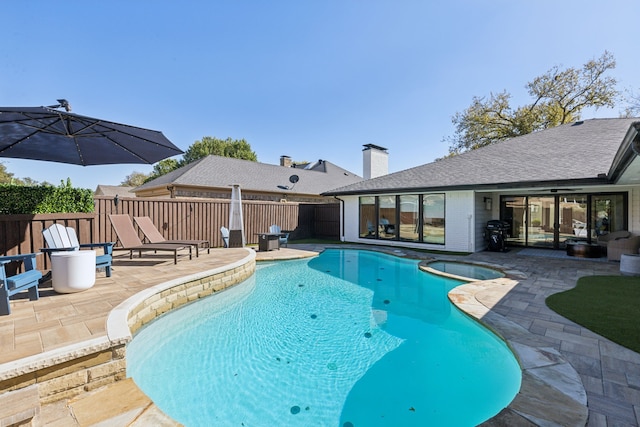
175	218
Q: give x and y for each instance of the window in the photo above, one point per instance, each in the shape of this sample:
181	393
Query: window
608	213
387	217
368	217
407	217
433	218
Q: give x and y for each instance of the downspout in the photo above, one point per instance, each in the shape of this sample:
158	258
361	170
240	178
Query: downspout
341	217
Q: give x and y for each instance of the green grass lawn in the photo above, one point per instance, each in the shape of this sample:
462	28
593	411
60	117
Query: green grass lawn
606	305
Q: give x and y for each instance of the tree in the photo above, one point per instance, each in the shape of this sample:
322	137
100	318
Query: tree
559	96
135	179
633	104
6	177
234	148
163	167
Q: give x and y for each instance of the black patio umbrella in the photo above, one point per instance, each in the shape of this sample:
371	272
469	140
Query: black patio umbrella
44	133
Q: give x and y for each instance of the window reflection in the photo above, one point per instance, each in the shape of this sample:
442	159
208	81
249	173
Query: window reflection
387	217
368	217
433	218
409	217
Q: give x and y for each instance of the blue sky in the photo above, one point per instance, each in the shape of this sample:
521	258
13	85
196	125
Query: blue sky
308	79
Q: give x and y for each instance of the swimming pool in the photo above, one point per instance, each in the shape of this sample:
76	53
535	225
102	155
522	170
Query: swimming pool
349	338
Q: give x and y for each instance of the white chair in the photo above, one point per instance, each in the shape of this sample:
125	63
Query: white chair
225	236
60	238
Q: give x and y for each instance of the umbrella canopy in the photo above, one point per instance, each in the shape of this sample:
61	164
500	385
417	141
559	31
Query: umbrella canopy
43	133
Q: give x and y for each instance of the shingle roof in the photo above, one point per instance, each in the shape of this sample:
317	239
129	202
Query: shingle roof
577	151
113	190
221	172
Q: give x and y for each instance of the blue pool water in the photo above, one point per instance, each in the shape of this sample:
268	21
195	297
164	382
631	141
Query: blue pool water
466	270
349	338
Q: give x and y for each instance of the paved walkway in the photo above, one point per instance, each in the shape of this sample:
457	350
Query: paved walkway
609	372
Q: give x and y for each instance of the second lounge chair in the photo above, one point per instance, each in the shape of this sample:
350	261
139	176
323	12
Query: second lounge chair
128	239
152	234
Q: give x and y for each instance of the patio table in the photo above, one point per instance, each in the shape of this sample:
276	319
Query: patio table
73	271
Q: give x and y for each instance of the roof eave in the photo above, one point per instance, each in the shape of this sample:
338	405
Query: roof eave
626	153
480	187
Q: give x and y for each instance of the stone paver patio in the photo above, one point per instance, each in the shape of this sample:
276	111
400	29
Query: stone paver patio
609	373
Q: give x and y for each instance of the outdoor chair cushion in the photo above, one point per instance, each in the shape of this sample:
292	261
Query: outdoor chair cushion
152	234
618	247
128	239
604	239
25	281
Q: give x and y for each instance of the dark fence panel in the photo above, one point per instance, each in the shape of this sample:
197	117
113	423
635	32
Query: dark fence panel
21	234
175	218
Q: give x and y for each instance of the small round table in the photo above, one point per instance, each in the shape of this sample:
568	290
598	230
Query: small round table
583	249
73	271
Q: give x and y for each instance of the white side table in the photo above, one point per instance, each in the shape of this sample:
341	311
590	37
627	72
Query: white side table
630	264
73	271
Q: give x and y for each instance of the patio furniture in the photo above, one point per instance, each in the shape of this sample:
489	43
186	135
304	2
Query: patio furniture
129	240
25	281
73	271
268	241
224	231
582	249
60	238
152	234
284	235
618	247
604	239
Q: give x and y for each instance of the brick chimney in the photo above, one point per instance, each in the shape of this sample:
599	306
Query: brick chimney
375	161
285	161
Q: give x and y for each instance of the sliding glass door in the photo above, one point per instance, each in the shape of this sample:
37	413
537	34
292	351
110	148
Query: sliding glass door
549	221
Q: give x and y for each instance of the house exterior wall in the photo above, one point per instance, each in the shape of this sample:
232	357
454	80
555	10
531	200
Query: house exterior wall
466	218
482	215
460	228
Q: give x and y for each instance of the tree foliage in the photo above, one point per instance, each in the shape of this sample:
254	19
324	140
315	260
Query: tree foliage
163	167
558	97
7	177
633	104
234	148
20	199
135	179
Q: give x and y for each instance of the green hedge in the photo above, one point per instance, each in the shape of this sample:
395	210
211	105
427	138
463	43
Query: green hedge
15	199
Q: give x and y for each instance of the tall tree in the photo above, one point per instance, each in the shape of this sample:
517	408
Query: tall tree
633	104
235	148
6	177
559	96
135	179
163	167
